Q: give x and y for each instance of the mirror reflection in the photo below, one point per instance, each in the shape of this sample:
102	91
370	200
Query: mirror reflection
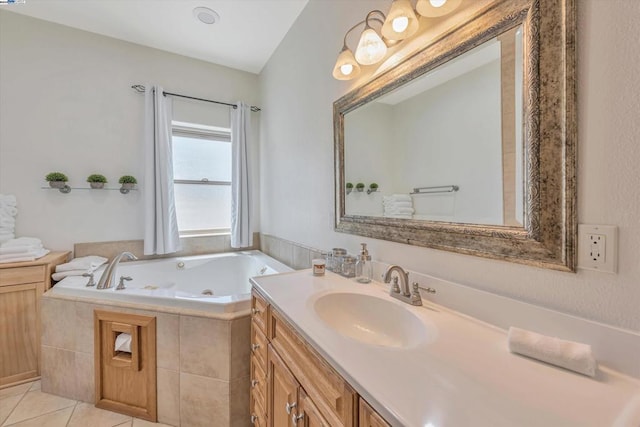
447	146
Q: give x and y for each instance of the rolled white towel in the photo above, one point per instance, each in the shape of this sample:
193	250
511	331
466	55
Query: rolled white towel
5	237
566	354
397	198
402	216
398	204
86	263
7	221
22	241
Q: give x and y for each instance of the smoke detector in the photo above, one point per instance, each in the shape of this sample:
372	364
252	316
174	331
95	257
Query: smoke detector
206	15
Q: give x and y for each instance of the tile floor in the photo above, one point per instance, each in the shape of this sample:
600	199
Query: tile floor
26	405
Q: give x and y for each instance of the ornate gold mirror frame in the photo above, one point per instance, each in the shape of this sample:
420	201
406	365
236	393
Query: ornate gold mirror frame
548	237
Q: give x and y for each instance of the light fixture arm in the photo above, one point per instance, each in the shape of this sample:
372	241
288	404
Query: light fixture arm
366	22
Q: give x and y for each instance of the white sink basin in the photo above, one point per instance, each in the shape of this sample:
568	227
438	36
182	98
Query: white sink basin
372	320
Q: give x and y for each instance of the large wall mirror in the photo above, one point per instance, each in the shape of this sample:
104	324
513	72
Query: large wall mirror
471	140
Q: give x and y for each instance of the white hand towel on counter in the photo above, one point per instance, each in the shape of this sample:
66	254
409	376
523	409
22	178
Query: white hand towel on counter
8	200
123	343
87	263
18	249
566	354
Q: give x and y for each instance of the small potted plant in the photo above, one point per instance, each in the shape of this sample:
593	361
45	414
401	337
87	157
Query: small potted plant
57	180
373	187
96	180
128	182
349	187
360	187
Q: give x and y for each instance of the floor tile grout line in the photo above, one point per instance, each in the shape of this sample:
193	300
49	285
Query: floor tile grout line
32	418
72	412
4	422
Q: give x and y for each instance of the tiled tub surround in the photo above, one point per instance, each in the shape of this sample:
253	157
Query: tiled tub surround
202	359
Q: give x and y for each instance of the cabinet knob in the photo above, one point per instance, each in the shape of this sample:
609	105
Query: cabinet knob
295	418
254	418
254	383
255	311
254	347
290	406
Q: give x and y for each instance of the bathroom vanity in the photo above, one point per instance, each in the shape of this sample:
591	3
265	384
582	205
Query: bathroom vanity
21	286
330	351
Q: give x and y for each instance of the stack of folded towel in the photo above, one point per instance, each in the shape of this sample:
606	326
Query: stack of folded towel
8	213
78	267
398	206
22	249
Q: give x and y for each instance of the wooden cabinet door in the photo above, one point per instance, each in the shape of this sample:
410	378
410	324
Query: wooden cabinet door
283	392
369	417
308	414
19	332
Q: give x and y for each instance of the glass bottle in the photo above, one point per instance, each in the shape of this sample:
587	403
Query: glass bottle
364	268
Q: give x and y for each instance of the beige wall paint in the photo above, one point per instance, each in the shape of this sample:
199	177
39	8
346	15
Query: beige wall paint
297	160
65	104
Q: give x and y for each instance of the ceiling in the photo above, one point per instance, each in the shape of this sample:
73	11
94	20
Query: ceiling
244	38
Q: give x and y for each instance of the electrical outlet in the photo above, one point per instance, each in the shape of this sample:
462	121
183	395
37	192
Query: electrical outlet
597	247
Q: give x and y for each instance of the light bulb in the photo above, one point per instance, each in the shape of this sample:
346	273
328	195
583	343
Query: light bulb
401	21
371	49
346	69
437	3
436	8
400	24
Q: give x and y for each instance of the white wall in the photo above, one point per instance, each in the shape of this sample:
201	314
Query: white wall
66	104
297	144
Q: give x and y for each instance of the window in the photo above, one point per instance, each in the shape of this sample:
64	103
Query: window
202	178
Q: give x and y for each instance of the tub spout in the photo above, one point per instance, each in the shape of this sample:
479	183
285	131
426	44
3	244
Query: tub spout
108	278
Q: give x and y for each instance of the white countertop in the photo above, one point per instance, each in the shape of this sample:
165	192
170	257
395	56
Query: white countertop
463	376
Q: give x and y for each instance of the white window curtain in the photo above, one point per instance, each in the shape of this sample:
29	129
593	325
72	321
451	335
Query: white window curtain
241	232
161	234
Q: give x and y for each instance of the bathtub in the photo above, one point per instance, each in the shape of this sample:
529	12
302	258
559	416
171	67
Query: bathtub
216	283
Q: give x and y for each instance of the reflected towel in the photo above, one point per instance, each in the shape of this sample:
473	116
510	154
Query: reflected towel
87	263
566	354
8	210
398	198
401	211
8	200
398	204
123	343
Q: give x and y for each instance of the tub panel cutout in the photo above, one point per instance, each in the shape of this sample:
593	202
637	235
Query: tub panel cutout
126	380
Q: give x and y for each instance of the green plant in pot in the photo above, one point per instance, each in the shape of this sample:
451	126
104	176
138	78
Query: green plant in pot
349	187
128	182
373	187
56	179
96	180
360	187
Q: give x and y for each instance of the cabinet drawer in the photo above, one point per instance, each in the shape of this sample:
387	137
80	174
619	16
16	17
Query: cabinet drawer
335	399
259	347
369	417
258	414
259	312
258	382
20	275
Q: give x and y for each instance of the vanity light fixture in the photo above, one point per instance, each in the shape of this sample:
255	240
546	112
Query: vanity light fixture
399	24
435	8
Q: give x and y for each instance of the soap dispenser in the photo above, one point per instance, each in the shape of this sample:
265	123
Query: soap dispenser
364	269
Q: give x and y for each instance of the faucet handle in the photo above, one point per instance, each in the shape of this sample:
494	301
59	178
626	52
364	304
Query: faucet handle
121	285
91	282
416	287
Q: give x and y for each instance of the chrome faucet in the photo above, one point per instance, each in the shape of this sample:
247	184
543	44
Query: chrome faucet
108	278
401	291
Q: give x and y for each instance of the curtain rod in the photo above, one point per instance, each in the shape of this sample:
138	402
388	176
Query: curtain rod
141	89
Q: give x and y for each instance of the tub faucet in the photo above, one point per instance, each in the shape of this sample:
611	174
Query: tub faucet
402	291
108	278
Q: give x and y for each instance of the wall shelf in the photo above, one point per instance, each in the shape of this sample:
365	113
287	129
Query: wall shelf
67	189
